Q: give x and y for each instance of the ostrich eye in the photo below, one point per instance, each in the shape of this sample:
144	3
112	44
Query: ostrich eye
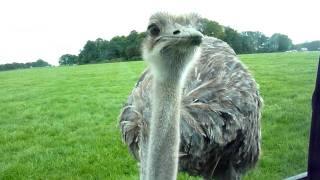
154	30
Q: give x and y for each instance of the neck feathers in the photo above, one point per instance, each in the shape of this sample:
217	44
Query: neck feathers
163	147
164	140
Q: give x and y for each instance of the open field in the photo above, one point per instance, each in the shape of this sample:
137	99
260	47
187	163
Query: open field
61	123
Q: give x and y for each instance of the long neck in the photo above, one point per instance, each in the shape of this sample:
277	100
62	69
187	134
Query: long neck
163	147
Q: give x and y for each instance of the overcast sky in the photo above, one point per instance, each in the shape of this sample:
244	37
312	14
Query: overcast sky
33	29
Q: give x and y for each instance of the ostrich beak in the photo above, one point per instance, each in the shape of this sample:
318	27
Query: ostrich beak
191	35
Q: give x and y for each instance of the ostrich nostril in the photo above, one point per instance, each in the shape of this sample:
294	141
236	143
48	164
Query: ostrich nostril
196	40
176	32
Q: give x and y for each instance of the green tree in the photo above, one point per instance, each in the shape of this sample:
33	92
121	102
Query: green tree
134	41
119	44
40	63
253	41
68	59
212	28
279	42
89	53
233	38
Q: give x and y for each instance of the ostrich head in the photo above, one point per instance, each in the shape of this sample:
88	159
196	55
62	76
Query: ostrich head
171	44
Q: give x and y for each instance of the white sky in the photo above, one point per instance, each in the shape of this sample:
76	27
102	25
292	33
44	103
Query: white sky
47	29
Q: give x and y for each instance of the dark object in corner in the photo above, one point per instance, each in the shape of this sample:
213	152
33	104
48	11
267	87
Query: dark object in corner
313	172
314	144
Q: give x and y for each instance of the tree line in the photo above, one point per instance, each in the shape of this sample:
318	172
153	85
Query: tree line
311	46
12	66
127	48
119	48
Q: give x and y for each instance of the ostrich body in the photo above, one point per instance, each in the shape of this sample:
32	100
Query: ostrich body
196	109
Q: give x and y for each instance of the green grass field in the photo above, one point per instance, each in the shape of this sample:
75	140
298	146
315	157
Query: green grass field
61	123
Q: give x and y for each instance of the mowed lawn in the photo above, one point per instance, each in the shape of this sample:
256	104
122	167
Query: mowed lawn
61	123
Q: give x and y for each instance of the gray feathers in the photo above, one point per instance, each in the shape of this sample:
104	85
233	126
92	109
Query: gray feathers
220	114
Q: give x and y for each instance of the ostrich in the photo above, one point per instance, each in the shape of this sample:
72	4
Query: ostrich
196	109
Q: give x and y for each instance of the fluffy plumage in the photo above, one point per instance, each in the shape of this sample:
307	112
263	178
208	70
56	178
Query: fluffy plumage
220	113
